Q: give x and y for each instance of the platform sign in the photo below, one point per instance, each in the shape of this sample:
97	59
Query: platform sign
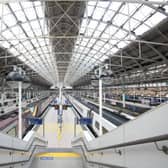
85	121
54	102
35	121
66	101
46	158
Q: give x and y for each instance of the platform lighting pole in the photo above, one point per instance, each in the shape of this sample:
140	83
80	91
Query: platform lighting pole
160	94
123	96
134	92
100	101
29	94
60	98
104	97
3	95
20	111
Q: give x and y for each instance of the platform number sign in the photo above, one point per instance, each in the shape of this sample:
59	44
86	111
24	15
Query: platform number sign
84	121
35	121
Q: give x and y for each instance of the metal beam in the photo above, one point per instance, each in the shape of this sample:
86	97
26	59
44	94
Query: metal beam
159	2
64	14
88	37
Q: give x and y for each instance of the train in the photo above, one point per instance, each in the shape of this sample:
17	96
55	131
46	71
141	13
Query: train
135	106
9	102
111	119
147	100
9	121
135	103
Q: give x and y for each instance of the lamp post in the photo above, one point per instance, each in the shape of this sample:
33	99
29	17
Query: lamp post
20	110
14	77
100	101
101	72
123	93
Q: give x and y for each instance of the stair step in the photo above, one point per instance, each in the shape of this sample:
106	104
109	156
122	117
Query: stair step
58	155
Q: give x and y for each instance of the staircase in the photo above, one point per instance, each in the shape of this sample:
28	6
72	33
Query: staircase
58	158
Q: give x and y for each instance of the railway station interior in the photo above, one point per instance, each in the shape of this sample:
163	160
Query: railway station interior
84	84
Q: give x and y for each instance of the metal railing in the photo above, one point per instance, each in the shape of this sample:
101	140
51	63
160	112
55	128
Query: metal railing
139	143
15	151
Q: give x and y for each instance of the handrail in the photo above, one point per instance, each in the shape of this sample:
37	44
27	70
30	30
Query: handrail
23	161
126	144
94	162
23	150
84	148
26	151
143	140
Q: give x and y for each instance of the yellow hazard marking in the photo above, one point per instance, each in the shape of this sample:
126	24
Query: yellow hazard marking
59	154
27	111
35	111
59	134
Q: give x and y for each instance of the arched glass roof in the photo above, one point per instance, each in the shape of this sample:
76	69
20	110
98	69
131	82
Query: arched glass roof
106	27
23	31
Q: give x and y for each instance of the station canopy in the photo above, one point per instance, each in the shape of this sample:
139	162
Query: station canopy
63	41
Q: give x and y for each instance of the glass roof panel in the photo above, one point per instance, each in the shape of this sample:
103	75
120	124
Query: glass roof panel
30	13
98	13
105	29
15	7
40	12
141	29
156	18
25	21
108	30
108	15
9	20
115	5
119	19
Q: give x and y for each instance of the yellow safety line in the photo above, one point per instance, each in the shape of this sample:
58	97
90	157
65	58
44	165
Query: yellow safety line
26	111
59	133
35	111
59	154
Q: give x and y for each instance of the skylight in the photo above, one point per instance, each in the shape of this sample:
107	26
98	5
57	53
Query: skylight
22	27
106	27
110	22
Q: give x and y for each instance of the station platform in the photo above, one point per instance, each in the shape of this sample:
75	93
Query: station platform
128	145
53	134
124	110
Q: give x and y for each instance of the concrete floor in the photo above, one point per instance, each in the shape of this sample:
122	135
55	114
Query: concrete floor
55	137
